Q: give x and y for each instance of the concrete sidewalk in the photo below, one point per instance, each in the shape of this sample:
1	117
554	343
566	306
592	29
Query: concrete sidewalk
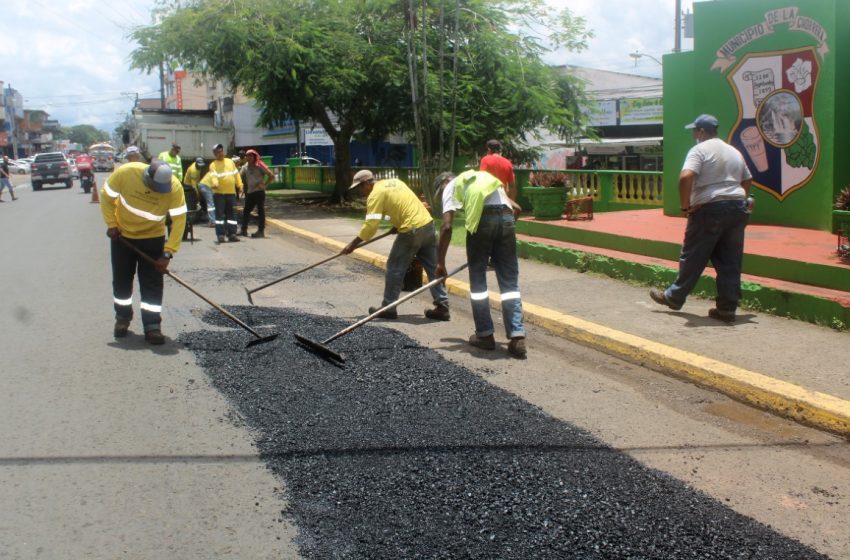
794	369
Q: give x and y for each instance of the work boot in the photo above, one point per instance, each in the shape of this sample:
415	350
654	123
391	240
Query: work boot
388	314
725	316
155	337
439	313
232	238
516	347
243	232
220	239
122	325
483	342
259	234
659	296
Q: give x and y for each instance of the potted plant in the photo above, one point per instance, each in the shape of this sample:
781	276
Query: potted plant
841	214
548	194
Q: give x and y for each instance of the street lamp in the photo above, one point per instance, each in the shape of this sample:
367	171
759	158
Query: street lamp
636	55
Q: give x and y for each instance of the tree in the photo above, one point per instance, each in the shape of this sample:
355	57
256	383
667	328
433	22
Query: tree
351	66
85	134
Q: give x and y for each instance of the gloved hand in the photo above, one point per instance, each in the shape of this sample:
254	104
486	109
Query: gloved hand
113	233
161	265
348	249
440	271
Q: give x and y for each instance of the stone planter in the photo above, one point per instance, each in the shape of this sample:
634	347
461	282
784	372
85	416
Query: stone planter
547	203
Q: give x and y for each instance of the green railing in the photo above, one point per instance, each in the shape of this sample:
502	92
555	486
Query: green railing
322	179
610	189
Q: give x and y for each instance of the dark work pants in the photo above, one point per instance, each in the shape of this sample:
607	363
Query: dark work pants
125	262
255	199
225	214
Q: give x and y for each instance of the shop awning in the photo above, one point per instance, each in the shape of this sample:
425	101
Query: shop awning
613	146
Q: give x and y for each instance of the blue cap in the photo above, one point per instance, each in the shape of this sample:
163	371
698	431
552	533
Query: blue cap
704	121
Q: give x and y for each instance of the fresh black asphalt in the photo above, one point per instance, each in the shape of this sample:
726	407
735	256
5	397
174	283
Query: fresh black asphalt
401	454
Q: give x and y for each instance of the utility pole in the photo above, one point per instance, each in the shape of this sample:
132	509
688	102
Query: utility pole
677	43
162	84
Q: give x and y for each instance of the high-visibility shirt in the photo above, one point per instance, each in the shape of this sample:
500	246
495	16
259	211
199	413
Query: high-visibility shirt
174	163
139	212
472	190
499	167
193	175
223	177
391	199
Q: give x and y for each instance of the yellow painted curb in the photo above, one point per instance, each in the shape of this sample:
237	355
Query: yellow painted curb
812	408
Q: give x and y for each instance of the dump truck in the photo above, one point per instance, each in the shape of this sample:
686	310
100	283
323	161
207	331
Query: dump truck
195	131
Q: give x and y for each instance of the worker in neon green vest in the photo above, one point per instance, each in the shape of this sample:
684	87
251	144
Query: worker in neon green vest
172	158
490	234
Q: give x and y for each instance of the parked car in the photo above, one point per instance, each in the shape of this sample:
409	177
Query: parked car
19	166
305	160
49	168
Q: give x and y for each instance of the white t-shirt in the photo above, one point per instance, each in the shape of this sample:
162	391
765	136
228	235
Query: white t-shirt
720	169
496	198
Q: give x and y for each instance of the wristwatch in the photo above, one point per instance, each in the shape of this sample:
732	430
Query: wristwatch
167	254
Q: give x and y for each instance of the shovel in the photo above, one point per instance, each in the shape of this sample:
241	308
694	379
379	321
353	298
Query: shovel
312	266
321	348
258	340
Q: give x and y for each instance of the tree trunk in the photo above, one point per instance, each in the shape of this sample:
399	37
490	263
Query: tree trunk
342	169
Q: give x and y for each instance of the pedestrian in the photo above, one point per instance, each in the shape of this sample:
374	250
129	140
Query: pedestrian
133	154
255	176
172	158
500	167
713	189
416	238
226	183
490	235
135	201
6	179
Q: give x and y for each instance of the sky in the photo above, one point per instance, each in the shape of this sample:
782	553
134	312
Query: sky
71	57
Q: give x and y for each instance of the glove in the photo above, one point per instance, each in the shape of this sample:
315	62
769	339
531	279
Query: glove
440	271
113	233
161	265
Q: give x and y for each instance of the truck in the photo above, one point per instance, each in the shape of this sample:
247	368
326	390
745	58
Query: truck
195	131
103	156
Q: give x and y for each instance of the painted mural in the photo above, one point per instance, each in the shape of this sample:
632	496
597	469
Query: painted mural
776	128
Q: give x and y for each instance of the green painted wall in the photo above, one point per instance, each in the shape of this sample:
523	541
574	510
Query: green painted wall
750	68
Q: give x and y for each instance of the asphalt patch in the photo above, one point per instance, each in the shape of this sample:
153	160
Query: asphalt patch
402	454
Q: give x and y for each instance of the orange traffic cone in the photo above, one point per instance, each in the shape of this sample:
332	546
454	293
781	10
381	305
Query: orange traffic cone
94	196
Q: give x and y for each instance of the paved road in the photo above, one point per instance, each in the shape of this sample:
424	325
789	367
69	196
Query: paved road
119	450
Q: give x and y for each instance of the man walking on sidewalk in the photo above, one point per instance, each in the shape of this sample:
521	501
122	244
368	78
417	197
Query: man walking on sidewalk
713	188
6	179
416	238
255	176
135	201
226	183
490	234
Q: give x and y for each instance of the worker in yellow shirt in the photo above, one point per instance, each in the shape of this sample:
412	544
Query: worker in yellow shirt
135	201
394	200
226	183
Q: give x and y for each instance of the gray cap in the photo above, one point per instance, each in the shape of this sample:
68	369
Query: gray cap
200	162
158	176
361	177
133	150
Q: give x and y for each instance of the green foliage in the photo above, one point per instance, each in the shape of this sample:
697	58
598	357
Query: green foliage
352	65
802	152
85	134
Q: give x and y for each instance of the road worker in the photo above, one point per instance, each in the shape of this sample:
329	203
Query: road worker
135	201
226	184
416	238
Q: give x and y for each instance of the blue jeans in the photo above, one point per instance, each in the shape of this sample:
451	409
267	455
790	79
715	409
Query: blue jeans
207	193
420	243
496	238
715	232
